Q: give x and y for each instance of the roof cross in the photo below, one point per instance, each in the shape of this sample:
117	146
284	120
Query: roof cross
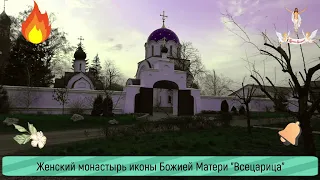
4	5
163	18
81	39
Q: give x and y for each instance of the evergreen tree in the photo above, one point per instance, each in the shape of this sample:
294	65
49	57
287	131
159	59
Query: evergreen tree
28	64
4	100
95	68
97	109
57	46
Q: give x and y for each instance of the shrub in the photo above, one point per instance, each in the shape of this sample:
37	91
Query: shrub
107	106
268	109
234	110
242	110
77	106
281	104
224	106
225	119
209	112
40	113
4	101
97	109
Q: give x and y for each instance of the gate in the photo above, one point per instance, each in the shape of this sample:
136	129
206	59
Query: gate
144	101
185	103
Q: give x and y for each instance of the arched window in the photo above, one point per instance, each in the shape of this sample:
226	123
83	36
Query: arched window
170	50
152	49
179	52
80	67
169	99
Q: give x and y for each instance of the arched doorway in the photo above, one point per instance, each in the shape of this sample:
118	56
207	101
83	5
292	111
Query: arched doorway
165	84
182	100
165	97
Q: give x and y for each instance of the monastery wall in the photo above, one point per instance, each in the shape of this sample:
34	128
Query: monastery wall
211	103
40	100
34	100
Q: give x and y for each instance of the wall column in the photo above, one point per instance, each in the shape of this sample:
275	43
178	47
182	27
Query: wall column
131	92
175	102
197	100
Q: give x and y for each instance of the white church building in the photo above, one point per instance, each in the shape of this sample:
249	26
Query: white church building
158	86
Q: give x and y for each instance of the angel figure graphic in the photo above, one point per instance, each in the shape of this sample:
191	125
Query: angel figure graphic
310	37
283	37
296	18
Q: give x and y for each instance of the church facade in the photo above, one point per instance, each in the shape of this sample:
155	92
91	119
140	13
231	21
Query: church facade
161	83
80	78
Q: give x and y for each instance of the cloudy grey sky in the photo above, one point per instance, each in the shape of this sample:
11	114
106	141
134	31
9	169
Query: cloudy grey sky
118	29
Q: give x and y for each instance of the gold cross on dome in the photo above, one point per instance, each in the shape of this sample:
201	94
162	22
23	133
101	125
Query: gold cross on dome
4	5
81	39
163	18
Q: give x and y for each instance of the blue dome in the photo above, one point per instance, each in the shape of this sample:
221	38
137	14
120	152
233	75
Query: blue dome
159	34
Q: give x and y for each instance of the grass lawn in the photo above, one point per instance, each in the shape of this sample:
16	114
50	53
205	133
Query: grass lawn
217	141
266	115
255	115
315	123
61	122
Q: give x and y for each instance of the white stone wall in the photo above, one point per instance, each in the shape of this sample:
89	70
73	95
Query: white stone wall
210	103
34	100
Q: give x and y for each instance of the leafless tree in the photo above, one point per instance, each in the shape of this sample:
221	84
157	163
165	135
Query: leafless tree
244	97
61	96
113	81
188	59
300	90
79	105
26	97
213	84
111	74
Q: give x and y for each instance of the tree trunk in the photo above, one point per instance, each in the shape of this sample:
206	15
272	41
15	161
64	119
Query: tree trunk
62	108
248	118
304	119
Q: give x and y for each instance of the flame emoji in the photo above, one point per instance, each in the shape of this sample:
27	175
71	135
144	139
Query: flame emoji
36	29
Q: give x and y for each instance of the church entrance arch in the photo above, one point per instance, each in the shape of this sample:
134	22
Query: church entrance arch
182	102
165	96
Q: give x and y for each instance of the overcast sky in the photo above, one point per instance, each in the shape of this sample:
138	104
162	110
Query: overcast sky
118	29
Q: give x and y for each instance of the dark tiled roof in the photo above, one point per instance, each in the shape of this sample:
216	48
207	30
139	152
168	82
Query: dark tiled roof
63	82
135	81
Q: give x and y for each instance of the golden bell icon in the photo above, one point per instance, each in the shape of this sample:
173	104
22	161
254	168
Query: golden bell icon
290	134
